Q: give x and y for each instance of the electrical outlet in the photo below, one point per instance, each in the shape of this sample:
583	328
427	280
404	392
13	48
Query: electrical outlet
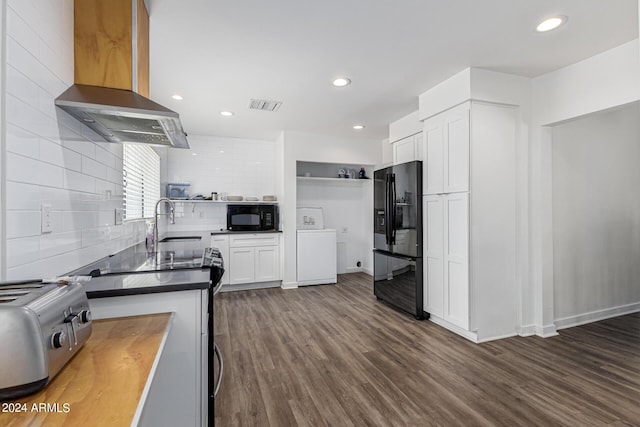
119	213
45	215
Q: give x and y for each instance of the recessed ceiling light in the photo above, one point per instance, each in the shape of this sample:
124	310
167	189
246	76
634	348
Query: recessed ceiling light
551	23
341	82
226	113
177	97
358	127
194	154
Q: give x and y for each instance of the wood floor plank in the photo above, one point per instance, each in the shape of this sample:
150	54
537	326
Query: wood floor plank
332	355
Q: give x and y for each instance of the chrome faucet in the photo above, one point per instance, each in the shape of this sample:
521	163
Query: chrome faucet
156	214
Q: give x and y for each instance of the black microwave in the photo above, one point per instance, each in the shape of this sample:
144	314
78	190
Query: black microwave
257	217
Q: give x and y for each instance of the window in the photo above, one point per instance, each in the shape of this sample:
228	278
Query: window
141	180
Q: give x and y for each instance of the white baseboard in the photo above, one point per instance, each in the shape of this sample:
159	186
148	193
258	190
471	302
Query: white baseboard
546	331
368	271
249	286
527	330
497	337
471	336
595	316
289	285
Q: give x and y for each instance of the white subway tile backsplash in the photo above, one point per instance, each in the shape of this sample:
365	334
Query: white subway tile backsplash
108	189
106	157
65	221
53	61
32	171
58	155
22	224
22	60
95	236
21	86
46	103
94	168
114	176
22	251
20	31
21	196
20	141
79	182
87	149
59	243
24	9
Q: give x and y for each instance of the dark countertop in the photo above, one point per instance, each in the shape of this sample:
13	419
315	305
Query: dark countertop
134	271
152	282
244	232
136	259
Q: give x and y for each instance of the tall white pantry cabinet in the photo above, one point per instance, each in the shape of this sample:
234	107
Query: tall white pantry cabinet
469	215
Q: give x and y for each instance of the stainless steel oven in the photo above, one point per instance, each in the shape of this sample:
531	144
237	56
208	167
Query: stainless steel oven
252	217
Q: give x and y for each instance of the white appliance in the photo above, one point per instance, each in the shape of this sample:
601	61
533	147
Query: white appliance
316	254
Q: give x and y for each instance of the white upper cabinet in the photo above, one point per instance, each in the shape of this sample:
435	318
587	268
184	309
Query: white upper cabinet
405	136
446	147
407	149
433	169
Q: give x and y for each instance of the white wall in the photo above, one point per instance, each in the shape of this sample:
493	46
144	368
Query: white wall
596	216
51	163
344	205
318	148
604	81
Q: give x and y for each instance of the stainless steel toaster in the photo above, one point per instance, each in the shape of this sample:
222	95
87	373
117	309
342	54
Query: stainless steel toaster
42	326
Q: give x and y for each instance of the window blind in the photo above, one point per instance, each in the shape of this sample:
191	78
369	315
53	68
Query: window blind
141	181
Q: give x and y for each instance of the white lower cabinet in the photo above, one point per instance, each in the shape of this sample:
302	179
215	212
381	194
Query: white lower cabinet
253	258
267	263
243	262
446	270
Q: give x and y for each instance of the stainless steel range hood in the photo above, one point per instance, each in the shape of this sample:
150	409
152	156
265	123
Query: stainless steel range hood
123	116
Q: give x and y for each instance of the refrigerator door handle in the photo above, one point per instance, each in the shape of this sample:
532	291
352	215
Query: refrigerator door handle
393	209
387	213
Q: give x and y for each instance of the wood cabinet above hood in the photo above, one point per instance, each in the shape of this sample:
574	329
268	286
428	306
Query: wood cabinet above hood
111	42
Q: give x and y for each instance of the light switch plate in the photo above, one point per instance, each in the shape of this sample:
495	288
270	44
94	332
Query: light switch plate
45	216
119	214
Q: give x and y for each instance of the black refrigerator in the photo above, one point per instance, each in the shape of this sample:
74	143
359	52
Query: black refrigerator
397	253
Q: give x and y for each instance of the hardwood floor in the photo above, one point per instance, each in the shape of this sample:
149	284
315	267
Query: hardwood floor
332	355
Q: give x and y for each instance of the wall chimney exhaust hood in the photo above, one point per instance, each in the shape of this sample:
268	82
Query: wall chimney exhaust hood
123	116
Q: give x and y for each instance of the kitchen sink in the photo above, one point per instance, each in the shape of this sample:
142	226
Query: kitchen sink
188	263
181	239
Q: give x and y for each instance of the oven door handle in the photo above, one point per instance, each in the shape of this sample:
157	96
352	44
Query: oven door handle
217	288
220	370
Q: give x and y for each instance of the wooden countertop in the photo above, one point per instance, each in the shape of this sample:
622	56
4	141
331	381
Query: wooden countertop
103	384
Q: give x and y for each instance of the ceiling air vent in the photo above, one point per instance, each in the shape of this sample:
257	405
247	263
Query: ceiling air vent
261	104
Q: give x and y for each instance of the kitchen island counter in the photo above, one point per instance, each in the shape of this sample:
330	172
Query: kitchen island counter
123	284
105	384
